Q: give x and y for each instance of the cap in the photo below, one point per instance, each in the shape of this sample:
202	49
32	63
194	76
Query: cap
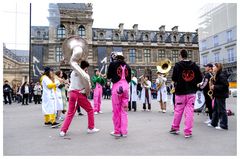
208	65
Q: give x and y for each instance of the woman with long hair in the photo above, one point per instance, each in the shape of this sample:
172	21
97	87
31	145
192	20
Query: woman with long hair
61	95
219	85
25	92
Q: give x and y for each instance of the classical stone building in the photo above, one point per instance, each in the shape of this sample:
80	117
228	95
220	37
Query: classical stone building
142	48
15	68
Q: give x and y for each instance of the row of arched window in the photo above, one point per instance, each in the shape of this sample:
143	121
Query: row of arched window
61	31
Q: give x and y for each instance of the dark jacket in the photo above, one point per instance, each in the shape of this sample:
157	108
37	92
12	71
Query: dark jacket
186	75
114	71
7	88
221	85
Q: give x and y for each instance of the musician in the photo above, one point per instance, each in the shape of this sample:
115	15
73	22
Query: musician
132	103
49	97
98	82
161	91
204	85
146	93
220	93
186	75
172	91
120	74
78	91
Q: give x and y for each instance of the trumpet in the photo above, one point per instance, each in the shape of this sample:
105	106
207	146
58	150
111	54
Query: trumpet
143	81
211	82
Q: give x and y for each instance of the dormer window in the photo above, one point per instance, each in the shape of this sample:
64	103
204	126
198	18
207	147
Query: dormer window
116	36
101	36
38	34
146	37
131	37
174	39
161	38
188	39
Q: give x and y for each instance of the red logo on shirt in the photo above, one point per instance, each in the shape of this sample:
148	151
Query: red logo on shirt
119	72
188	75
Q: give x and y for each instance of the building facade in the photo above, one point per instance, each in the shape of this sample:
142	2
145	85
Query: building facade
218	37
142	49
15	68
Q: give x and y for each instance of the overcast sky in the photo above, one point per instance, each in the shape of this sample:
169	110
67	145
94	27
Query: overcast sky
149	15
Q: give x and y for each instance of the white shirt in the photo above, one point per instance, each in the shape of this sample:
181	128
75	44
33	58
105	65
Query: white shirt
26	89
76	82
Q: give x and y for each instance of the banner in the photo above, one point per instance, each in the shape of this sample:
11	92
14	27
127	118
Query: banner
102	59
37	61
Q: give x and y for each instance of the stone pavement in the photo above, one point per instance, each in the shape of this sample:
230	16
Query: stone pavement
24	134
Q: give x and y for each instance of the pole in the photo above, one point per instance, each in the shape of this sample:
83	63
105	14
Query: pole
30	48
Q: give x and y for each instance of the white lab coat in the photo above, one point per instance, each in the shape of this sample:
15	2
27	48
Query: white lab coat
58	94
48	97
162	92
133	96
149	93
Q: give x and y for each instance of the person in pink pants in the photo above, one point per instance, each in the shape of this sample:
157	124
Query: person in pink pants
186	75
120	74
98	82
78	97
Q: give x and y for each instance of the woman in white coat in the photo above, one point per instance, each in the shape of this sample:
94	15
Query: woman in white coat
49	98
146	93
132	102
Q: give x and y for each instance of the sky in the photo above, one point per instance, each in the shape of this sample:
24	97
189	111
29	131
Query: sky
149	15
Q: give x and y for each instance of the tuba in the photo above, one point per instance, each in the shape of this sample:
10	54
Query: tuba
75	49
163	66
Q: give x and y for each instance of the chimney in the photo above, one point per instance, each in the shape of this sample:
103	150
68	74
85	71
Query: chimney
135	27
121	28
175	29
162	28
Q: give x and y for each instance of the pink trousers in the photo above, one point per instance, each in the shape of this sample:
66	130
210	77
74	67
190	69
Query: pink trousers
120	116
184	103
76	97
97	98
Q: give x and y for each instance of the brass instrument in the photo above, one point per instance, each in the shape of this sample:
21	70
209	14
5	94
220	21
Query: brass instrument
143	81
211	82
163	67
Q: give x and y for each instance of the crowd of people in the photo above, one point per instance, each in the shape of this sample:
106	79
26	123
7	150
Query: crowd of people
61	97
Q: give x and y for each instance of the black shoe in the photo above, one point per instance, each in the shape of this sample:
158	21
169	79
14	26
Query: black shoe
175	132
55	125
48	123
81	114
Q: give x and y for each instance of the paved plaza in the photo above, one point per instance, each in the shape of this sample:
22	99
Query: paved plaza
24	134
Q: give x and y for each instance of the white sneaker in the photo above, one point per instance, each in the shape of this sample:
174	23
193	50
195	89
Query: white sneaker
94	130
62	134
95	113
116	135
100	112
208	121
164	111
219	128
210	125
60	118
124	135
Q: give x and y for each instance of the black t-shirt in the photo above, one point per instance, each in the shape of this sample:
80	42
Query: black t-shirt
115	71
207	76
